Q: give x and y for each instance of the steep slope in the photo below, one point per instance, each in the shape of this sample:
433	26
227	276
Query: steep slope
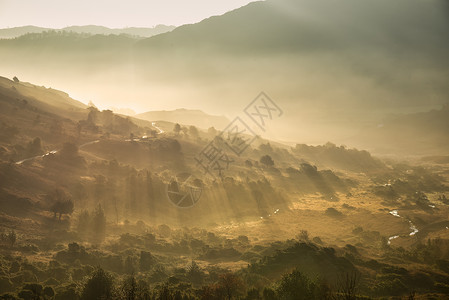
290	26
334	67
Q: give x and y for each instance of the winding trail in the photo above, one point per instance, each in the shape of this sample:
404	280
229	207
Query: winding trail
154	125
81	146
53	152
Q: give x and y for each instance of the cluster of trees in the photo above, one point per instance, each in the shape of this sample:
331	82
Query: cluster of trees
190	131
340	157
126	269
106	121
103	285
92	226
61	203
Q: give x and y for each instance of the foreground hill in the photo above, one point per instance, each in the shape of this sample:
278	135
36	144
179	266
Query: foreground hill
88	194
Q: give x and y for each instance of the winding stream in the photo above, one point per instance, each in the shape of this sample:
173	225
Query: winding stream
413	228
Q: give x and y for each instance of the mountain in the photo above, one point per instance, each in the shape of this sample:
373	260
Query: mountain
186	116
424	133
95	188
335	68
291	26
9	33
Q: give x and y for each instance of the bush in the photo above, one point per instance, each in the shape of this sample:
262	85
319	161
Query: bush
99	286
267	160
332	212
296	286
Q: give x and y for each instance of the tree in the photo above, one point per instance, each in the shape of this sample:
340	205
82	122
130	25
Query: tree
49	293
99	225
35	147
267	161
303	235
31	291
67	292
146	260
194	273
177	129
348	286
62	204
231	285
129	288
83	223
193	131
15	79
298	286
12	237
64	207
212	132
99	286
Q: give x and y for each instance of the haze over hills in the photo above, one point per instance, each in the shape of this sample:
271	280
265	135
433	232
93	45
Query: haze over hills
335	68
286	150
424	133
185	116
9	33
82	187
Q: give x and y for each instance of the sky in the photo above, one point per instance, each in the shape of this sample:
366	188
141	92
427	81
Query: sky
110	13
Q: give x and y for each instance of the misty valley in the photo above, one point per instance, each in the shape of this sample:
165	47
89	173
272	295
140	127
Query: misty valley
304	157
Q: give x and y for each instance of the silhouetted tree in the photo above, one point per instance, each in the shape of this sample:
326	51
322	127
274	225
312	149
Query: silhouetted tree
298	286
129	288
98	225
15	79
231	285
31	291
83	223
48	292
267	161
34	147
146	261
193	132
62	204
92	117
194	273
99	286
303	235
12	237
212	132
63	208
177	129
347	286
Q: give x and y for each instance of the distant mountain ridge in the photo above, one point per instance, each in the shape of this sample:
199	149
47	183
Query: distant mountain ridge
186	116
335	67
145	32
425	133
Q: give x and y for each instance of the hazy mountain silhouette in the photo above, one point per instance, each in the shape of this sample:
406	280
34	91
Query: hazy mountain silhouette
90	29
186	116
334	67
291	26
418	133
